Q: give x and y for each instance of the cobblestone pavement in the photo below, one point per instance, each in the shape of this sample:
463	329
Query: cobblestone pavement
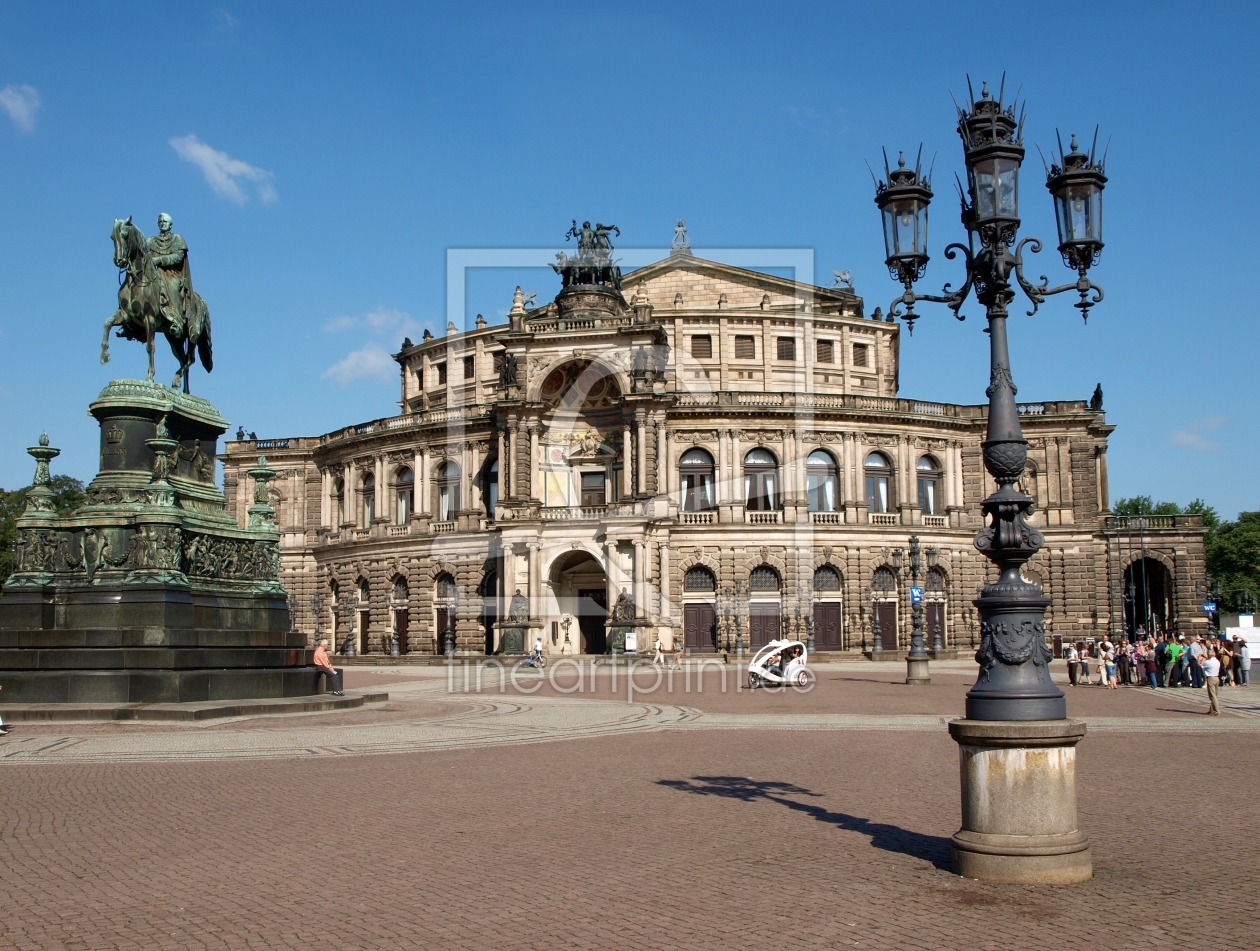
655	824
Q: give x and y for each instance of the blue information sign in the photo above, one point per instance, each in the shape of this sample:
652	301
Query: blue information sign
916	595
1209	607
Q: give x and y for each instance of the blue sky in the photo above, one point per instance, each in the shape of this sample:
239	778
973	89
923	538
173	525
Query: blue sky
321	159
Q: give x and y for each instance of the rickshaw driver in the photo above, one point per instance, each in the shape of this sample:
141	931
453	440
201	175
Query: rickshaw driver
775	663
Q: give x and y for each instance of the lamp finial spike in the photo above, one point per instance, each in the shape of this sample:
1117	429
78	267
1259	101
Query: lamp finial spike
901	159
984	90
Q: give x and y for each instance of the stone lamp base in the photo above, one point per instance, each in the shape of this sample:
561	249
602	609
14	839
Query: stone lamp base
1019	802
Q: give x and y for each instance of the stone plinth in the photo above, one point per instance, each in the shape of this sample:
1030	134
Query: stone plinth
1019	802
149	593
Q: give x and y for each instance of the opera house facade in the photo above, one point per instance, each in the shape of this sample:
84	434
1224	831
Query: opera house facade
693	451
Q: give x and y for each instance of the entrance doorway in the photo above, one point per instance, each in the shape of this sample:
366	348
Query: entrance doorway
591	615
827	626
885	616
580	588
1147	597
700	628
402	619
763	623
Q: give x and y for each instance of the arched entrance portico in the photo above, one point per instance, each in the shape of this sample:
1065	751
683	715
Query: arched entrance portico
1147	597
579	587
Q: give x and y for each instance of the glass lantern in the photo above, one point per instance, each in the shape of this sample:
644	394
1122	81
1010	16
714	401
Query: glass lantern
903	202
1077	186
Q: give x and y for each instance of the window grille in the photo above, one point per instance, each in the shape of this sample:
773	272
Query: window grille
826	578
699	579
764	578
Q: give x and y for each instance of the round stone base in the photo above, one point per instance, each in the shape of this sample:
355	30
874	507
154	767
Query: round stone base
1015	867
917	670
1018	783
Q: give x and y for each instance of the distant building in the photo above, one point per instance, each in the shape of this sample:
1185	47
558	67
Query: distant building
711	443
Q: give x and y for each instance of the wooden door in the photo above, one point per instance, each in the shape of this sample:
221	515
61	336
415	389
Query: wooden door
700	627
445	620
934	619
886	624
401	620
827	626
763	622
365	642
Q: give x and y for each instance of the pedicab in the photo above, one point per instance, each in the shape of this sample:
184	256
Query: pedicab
781	663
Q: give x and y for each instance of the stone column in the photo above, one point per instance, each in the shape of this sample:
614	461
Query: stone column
641	446
325	499
351	495
1100	471
721	488
662	461
535	583
640	579
422	503
737	469
474	481
381	508
514	485
627	462
1019	802
663	613
505	470
533	461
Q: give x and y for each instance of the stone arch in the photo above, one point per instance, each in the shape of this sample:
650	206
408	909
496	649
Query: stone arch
439	568
700	560
598	361
1137	554
771	558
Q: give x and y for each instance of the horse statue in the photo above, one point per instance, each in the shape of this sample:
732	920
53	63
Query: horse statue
146	307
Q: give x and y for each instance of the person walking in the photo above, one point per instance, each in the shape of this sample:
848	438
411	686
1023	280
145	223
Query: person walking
1211	674
1161	660
1073	664
323	664
1086	657
658	656
4	730
1196	662
1236	662
678	651
1109	665
1244	662
1150	663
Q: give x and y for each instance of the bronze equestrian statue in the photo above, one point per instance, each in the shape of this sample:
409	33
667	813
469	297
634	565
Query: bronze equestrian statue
155	295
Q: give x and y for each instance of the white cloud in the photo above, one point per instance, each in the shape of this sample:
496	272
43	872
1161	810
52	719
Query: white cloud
1192	437
21	103
223	173
382	320
372	362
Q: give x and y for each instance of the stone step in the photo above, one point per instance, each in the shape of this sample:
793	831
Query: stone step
149	658
71	638
205	710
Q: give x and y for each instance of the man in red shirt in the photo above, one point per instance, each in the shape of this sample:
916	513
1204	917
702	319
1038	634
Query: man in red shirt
321	661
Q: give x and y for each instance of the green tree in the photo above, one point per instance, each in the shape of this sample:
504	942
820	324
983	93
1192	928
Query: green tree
1233	559
67	497
1145	505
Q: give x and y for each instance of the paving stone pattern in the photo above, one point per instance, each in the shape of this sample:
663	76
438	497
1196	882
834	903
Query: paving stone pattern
666	836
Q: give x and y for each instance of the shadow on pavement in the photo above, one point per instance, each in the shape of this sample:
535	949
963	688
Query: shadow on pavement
890	838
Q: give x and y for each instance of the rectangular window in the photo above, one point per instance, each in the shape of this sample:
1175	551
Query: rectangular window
592	490
927	496
826	351
861	355
745	348
470	367
498	363
441	373
702	347
787	348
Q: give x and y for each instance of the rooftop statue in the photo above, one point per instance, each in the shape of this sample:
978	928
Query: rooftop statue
593	263
156	296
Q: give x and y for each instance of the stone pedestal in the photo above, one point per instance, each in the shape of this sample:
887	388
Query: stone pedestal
917	670
1019	802
149	593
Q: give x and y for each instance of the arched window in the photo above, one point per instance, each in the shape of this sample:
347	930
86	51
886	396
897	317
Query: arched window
492	488
761	481
878	483
446	588
364	591
339	503
699	579
447	487
820	481
404	494
929	473
826	578
400	589
695	480
935	585
764	578
369	499
883	583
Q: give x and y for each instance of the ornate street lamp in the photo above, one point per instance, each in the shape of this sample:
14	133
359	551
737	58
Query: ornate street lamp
917	659
938	644
740	608
1014	686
